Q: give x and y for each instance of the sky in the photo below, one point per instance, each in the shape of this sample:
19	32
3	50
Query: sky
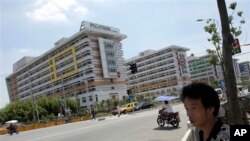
31	27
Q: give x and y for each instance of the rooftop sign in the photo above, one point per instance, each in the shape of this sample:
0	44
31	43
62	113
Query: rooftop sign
86	24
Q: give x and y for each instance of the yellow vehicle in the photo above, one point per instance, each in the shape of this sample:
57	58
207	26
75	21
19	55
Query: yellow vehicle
130	106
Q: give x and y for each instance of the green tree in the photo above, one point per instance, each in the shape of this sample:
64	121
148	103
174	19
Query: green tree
72	104
216	38
48	106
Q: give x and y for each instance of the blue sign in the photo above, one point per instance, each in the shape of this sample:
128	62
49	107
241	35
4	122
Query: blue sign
222	85
241	67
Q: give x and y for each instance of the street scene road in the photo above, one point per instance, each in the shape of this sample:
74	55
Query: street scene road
138	126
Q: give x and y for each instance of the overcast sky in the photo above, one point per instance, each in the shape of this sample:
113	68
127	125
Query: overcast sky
31	27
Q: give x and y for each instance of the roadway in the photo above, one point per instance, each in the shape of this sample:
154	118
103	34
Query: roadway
138	126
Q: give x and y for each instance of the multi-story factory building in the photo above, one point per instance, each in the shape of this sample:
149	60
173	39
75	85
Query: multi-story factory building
164	71
87	66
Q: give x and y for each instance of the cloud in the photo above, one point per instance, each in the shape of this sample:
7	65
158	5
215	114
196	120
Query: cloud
24	50
55	11
81	10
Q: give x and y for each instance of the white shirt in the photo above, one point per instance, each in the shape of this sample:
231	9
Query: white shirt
168	108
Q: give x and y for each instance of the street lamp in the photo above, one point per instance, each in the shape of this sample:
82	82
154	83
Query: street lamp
214	20
64	97
33	98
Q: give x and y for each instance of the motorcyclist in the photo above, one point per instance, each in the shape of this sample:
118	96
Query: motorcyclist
12	128
167	116
167	109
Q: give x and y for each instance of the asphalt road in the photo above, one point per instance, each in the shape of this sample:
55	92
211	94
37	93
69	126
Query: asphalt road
141	126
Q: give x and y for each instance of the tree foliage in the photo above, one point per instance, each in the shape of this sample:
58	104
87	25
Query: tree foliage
46	108
212	27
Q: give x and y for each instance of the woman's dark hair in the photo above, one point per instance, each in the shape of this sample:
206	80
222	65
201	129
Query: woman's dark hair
209	97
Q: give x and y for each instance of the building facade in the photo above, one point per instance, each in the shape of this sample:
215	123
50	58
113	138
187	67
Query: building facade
158	72
202	71
245	70
83	66
22	62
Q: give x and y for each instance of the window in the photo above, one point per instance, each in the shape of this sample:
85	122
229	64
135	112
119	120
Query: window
90	98
84	100
96	98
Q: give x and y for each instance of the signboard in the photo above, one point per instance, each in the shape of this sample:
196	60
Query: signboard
241	67
182	61
222	85
118	74
95	26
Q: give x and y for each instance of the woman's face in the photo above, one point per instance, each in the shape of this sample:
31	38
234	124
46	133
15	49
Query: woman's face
197	113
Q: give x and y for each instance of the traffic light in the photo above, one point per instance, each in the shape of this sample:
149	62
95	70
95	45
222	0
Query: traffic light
236	46
133	68
236	43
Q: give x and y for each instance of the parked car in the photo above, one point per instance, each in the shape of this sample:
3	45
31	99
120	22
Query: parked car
144	105
130	106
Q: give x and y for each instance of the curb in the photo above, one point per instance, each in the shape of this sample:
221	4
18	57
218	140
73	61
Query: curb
100	119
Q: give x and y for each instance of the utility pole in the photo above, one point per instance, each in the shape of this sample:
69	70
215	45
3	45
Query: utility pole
235	116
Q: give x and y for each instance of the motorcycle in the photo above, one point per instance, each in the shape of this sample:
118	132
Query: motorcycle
12	130
172	118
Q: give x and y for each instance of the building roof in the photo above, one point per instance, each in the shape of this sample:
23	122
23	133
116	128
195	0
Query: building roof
149	52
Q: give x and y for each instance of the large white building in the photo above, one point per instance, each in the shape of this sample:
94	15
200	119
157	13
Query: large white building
83	66
164	71
202	71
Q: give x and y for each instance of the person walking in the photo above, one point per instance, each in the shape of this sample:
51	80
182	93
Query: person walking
93	113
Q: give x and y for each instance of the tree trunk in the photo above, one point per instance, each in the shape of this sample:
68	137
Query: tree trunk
234	111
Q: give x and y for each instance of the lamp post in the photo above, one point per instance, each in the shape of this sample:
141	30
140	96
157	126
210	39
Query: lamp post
64	97
77	103
214	20
33	98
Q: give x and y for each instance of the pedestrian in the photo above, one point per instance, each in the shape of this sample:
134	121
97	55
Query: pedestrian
202	106
93	113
